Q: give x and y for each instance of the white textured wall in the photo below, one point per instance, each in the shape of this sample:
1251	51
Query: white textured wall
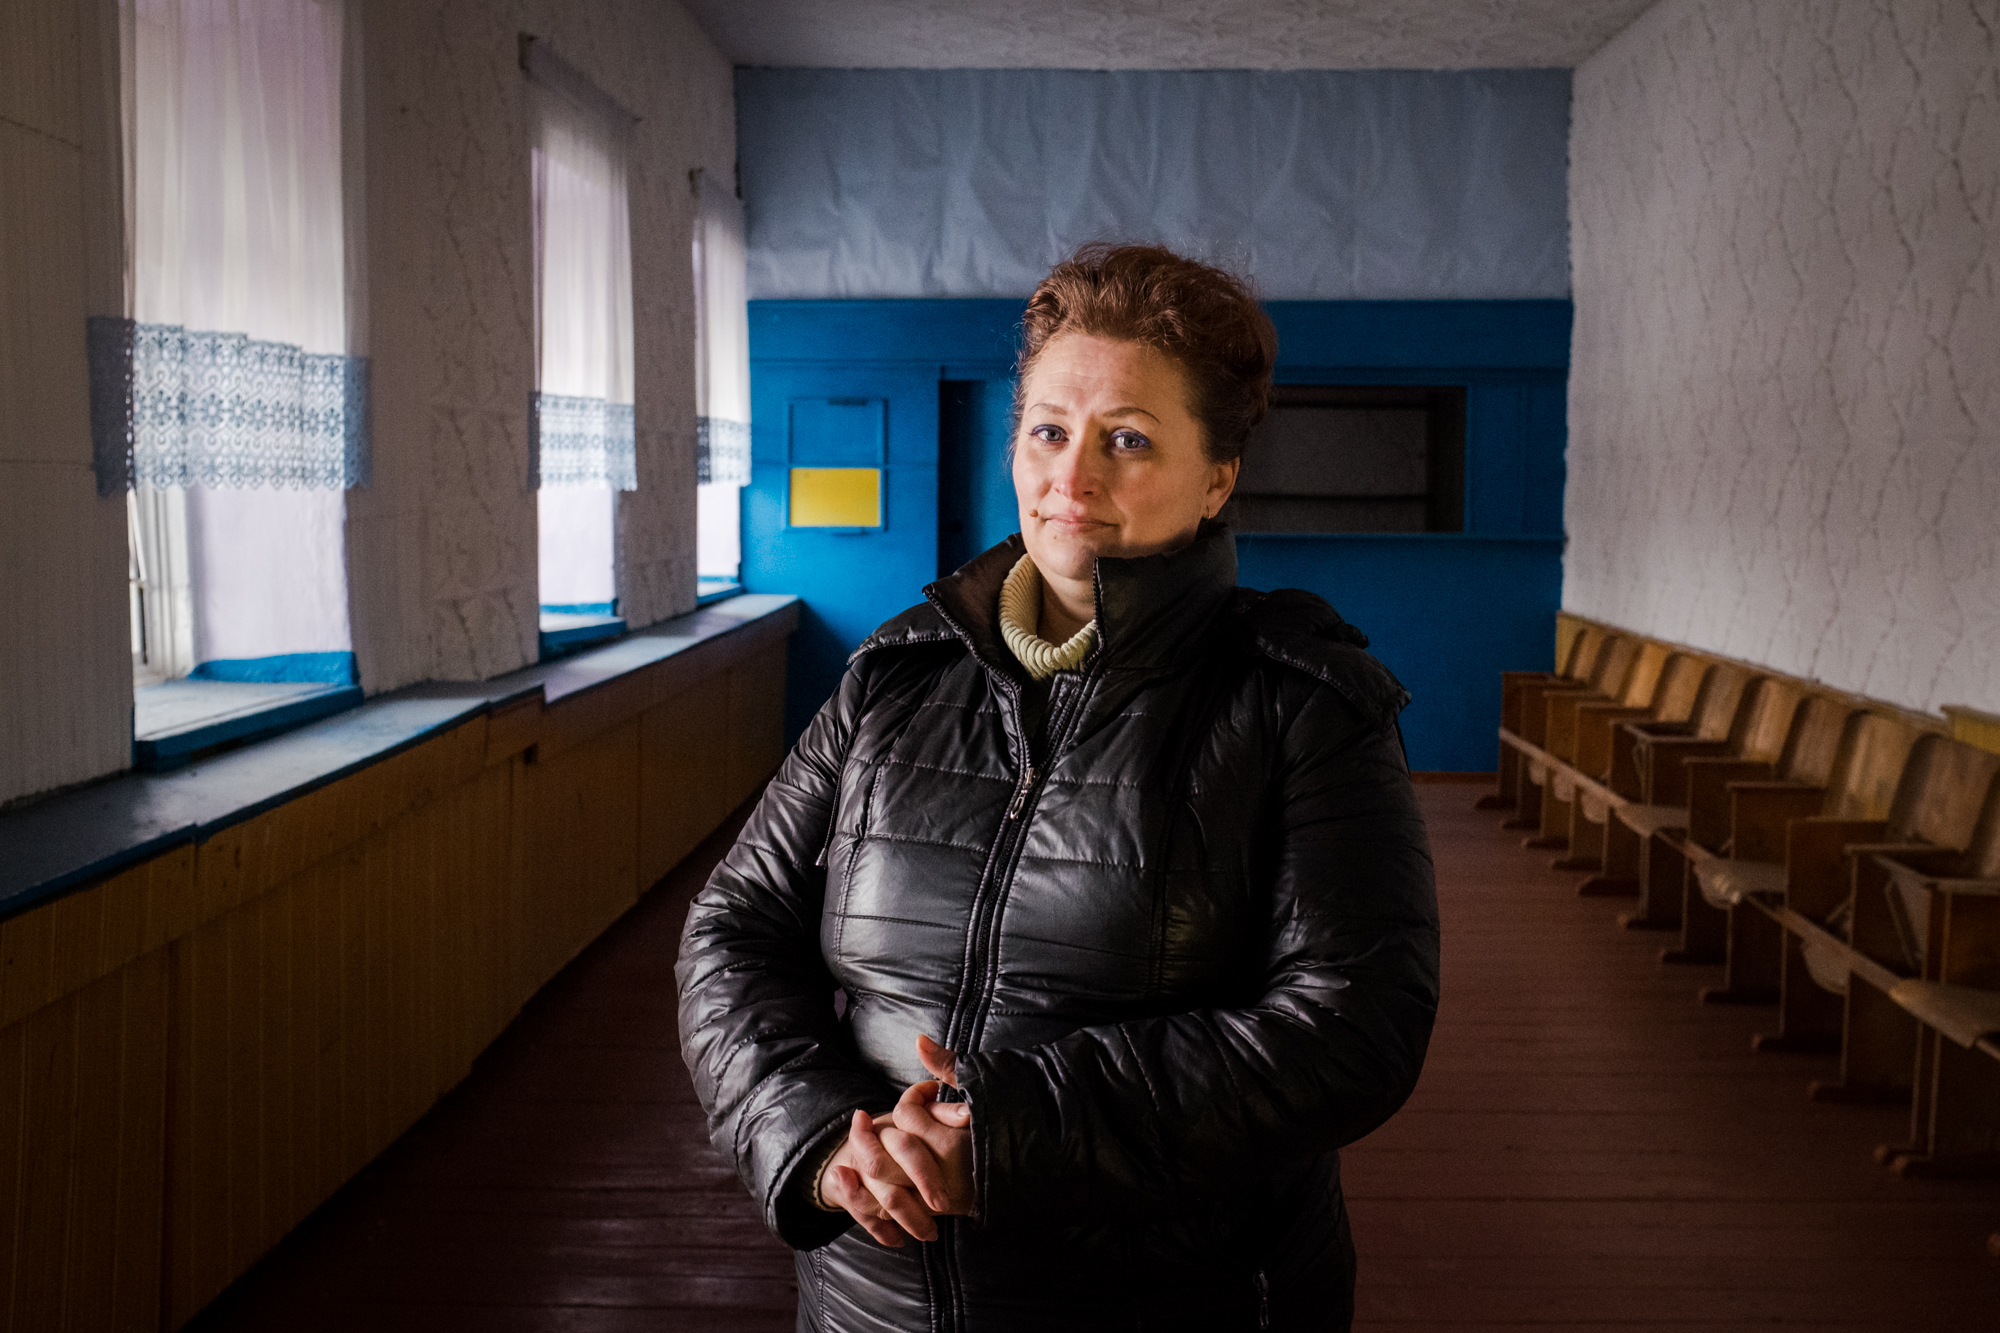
442	546
65	654
1785	391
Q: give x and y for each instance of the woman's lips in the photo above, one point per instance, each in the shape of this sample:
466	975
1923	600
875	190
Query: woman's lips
1075	522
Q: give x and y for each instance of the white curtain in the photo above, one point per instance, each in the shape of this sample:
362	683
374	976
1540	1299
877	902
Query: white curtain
583	430
246	395
722	377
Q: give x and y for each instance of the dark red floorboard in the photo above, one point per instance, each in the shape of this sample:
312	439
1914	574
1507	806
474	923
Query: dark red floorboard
1590	1149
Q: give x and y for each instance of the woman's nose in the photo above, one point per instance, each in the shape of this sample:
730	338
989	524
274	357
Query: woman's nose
1075	475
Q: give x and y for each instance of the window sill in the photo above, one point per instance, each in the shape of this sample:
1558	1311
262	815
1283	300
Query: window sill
71	840
177	720
715	590
565	632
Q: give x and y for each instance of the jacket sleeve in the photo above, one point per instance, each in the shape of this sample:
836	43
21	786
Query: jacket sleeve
775	1073
1111	1120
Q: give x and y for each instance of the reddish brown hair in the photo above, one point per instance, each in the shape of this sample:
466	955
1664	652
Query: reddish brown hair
1205	319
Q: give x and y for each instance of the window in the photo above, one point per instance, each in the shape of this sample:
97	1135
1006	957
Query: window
582	440
1355	458
232	405
722	383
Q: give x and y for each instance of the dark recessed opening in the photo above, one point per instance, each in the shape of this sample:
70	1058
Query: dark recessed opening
1355	458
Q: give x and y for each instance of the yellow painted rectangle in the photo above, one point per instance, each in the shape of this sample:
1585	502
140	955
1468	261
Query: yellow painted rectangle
836	497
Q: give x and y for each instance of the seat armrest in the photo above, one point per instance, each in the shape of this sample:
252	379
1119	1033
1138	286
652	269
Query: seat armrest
1661	764
1761	811
1513	685
1532	707
1707	783
1595	725
1919	860
1559	721
1816	874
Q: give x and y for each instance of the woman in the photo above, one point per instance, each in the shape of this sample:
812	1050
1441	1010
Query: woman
1117	870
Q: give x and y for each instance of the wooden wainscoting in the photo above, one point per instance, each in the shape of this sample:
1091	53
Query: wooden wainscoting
196	1052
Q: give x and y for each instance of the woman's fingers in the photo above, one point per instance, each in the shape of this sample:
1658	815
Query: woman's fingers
942	1063
912	1151
902	1204
868	1154
845	1188
886	1180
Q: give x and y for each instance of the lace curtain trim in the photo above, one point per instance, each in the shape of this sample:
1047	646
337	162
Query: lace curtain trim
172	406
575	441
722	451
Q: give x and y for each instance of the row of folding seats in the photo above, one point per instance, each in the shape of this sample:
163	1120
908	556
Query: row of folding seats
1838	857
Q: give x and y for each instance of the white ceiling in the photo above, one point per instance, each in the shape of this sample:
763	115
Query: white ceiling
1163	34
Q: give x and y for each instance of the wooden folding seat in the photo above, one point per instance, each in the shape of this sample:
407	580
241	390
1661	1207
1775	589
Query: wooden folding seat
1921	1018
1806	758
1579	667
1632	667
1750	881
1743	717
1934	814
1581	777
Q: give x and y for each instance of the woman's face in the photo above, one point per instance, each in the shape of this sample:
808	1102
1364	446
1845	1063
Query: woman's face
1108	459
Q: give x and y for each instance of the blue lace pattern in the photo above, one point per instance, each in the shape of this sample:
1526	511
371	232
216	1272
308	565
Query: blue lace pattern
172	406
581	442
722	451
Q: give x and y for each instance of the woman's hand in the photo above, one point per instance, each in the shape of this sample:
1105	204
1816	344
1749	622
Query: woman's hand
866	1177
895	1174
944	1128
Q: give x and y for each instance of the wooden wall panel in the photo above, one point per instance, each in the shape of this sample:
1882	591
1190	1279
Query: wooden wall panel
320	1020
756	744
82	1093
579	808
683	774
49	953
196	1052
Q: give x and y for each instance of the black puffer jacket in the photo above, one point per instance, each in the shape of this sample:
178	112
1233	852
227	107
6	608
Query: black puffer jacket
1184	940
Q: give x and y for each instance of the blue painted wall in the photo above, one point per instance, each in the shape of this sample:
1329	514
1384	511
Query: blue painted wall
1446	611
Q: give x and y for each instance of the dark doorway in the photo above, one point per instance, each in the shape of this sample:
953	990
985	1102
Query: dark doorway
1355	458
975	485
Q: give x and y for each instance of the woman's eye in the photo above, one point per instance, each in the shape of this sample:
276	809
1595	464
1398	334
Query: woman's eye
1048	434
1130	441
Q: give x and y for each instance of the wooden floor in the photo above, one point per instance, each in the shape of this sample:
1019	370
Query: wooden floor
1589	1149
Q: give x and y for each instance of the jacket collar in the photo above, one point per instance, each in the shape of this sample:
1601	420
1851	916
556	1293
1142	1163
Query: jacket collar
1148	607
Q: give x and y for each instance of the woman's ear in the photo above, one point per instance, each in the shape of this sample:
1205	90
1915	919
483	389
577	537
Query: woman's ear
1221	481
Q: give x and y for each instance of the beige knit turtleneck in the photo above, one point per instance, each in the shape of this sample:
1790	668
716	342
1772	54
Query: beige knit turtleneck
1020	616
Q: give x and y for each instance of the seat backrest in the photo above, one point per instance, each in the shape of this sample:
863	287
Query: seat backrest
1645	675
1614	665
1943	792
1874	750
1721	698
1982	849
1582	654
1813	742
1680	688
1761	730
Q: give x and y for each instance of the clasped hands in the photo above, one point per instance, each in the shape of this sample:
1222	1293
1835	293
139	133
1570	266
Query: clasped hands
896	1174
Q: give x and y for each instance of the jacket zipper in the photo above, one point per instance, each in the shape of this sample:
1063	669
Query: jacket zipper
1021	787
976	1000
